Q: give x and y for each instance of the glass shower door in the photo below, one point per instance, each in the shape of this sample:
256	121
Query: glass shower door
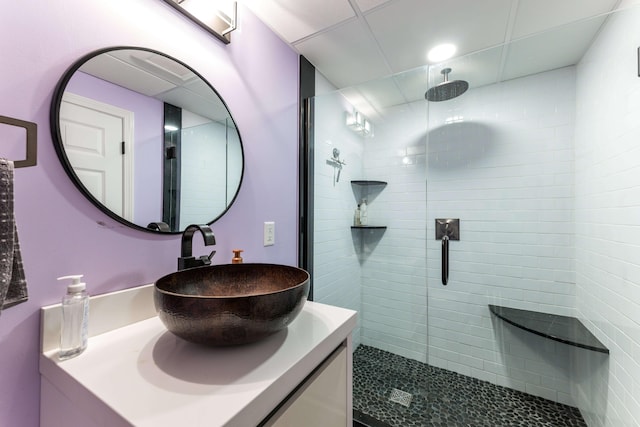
375	157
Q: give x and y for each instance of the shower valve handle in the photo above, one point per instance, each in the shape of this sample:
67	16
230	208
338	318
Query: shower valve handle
445	260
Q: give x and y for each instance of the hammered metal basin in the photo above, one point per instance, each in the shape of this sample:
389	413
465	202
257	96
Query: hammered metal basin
230	304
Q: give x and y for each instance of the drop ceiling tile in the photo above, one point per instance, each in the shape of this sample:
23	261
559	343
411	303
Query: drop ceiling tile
478	69
114	70
345	55
380	94
550	50
356	100
294	19
406	29
375	98
533	16
366	5
157	64
203	106
413	84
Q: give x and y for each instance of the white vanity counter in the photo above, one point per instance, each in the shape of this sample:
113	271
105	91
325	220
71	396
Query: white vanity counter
140	374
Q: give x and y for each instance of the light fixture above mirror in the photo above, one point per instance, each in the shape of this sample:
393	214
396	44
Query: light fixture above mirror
216	16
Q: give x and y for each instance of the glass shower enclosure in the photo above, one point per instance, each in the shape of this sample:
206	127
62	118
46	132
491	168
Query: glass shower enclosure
501	160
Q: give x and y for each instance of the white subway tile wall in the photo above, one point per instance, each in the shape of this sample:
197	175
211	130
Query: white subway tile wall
505	171
337	279
394	285
608	222
201	177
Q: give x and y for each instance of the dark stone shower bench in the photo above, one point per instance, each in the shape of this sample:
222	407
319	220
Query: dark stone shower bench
565	329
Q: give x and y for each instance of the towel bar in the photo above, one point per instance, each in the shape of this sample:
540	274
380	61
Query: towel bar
32	140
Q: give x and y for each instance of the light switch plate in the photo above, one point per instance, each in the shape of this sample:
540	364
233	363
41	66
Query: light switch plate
269	233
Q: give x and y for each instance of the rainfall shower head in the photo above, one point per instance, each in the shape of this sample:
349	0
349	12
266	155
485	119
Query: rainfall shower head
447	89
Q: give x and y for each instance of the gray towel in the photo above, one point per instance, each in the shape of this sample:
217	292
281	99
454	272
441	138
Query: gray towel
13	286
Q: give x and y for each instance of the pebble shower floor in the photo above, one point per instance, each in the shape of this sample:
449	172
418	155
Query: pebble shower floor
442	398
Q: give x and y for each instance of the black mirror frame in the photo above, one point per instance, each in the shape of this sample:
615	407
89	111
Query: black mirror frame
56	136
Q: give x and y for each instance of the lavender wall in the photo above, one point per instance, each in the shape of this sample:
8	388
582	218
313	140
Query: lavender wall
62	233
148	128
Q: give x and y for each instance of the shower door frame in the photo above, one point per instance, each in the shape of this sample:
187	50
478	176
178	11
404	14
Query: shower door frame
307	91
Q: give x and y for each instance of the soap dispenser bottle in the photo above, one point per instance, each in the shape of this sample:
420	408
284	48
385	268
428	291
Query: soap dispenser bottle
364	215
75	318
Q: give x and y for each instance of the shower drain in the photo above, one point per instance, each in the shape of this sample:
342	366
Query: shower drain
401	397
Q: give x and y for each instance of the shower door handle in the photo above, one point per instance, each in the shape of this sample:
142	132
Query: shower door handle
445	259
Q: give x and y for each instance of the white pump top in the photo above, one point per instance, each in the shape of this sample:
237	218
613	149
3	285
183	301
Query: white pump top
76	285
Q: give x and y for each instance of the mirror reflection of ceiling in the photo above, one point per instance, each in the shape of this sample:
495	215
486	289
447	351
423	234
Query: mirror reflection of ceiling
159	77
358	44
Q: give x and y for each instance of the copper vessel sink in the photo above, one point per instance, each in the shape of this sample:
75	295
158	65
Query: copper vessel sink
230	304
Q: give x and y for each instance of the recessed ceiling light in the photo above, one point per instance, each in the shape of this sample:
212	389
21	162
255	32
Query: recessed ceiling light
441	52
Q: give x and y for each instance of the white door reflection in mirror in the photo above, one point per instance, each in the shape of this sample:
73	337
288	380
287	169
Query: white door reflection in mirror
94	133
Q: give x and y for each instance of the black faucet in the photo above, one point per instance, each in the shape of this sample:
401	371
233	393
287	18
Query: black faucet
186	260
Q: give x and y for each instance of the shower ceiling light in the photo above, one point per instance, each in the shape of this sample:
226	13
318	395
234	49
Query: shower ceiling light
441	52
216	16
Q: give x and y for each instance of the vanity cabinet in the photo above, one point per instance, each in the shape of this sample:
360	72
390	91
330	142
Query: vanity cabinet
135	373
321	400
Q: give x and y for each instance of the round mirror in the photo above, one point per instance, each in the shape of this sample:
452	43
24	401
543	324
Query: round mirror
147	139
